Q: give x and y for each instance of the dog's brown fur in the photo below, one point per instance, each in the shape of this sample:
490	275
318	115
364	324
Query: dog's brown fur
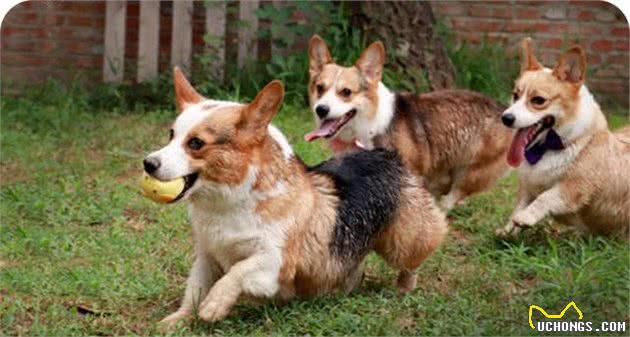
266	231
586	184
451	137
454	138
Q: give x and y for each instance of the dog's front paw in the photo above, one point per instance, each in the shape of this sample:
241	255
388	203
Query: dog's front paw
523	219
508	231
213	311
170	322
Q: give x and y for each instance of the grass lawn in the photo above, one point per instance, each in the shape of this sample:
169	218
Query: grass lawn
83	253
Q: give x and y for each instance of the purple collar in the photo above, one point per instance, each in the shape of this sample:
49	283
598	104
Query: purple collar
552	141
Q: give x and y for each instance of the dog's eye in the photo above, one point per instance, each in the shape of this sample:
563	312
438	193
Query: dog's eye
345	92
538	100
320	89
171	134
195	143
515	96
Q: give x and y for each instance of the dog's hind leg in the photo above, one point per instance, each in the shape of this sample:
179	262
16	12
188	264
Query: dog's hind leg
415	233
477	178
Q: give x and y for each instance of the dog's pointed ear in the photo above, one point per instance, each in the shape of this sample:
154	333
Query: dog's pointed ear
528	59
318	55
371	62
185	94
257	115
571	66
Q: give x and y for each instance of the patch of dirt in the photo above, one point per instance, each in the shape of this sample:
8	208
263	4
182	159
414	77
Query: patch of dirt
460	237
11	173
129	175
136	220
406	322
518	289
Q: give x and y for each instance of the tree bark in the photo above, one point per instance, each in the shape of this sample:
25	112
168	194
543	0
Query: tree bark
406	28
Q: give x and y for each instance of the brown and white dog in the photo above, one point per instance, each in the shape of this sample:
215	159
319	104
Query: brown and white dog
452	137
267	226
570	165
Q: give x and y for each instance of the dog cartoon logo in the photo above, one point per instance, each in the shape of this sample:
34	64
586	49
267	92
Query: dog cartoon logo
558	316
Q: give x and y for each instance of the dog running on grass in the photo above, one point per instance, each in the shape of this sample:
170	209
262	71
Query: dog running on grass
454	138
570	165
266	226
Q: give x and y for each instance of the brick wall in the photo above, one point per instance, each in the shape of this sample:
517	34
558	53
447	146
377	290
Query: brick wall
597	26
51	39
59	39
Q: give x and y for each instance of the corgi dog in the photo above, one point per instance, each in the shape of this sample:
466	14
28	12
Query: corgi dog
266	226
454	138
570	165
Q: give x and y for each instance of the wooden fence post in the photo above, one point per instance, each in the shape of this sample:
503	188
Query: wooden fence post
148	40
247	45
114	53
181	37
215	28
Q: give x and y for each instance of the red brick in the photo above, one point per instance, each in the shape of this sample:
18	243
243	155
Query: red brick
81	21
81	6
589	30
479	11
473	38
447	8
22	18
619	59
499	38
527	13
593	59
586	15
87	62
18	45
549	57
502	12
47	46
475	25
554	43
53	20
602	45
39	32
622	45
620	31
607	71
78	48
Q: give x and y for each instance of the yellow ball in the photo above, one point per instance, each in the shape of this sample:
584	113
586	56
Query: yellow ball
161	191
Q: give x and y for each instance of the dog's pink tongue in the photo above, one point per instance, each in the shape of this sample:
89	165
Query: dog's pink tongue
517	149
326	129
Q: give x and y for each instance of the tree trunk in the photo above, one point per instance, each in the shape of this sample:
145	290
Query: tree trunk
406	28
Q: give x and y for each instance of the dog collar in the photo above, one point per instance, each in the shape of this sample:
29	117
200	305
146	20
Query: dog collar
337	145
552	141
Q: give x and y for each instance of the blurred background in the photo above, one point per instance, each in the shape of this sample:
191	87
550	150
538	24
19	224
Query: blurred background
230	46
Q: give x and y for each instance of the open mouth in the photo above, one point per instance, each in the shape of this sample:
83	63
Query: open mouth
527	137
189	181
330	127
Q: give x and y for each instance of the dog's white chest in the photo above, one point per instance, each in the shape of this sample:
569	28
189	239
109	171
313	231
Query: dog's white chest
550	169
228	238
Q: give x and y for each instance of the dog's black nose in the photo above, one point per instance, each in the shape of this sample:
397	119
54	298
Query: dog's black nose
322	111
151	164
508	119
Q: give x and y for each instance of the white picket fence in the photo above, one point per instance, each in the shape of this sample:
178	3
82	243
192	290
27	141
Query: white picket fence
181	37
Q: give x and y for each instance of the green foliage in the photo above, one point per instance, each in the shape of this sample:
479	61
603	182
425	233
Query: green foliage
76	233
484	68
332	23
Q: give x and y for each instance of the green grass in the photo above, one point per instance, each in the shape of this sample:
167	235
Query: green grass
83	253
